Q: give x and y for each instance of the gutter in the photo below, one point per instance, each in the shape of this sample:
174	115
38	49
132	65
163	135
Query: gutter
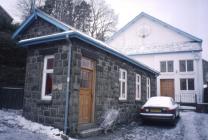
67	87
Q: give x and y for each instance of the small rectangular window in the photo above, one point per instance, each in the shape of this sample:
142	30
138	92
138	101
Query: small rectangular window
123	84
187	84
191	84
170	66
163	66
166	66
186	65
183	84
47	80
182	65
190	65
138	87
148	87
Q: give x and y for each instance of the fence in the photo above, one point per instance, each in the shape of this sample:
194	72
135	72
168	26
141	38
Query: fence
11	98
186	99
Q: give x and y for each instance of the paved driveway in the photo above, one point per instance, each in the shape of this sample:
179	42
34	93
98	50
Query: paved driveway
191	126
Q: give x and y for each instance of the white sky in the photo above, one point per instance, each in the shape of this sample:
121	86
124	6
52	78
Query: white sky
188	15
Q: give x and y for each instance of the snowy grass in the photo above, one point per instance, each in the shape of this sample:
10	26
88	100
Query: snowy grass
14	119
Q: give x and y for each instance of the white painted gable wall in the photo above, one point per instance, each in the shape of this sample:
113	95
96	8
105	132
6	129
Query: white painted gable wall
129	42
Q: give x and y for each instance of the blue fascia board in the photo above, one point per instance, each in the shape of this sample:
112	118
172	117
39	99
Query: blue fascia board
51	20
44	16
44	39
64	35
24	25
108	50
142	14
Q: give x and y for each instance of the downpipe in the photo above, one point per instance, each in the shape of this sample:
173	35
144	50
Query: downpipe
67	86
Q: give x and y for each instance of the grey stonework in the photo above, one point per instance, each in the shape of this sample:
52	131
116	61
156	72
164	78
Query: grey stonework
107	84
39	28
106	89
106	94
49	113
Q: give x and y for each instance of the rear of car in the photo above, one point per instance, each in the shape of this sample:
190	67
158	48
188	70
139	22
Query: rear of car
160	108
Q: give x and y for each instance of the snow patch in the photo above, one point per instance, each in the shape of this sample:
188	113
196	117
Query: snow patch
12	120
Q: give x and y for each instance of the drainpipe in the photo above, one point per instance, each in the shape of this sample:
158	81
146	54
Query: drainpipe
67	86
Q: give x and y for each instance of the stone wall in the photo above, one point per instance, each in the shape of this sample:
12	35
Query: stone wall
39	28
107	84
35	109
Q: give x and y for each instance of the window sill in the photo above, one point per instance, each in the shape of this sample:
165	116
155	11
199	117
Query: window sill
122	100
44	102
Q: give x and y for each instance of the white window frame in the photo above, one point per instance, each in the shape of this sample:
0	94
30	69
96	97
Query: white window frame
121	80
187	84
138	91
148	87
166	66
186	65
45	72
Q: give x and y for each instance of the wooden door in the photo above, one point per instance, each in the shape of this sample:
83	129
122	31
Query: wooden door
86	91
167	87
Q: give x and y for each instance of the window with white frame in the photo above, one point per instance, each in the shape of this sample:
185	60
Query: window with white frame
47	81
166	66
123	84
186	65
138	87
187	84
148	86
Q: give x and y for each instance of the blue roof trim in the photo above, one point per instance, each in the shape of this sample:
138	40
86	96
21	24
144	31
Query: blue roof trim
142	14
85	38
44	16
163	52
24	25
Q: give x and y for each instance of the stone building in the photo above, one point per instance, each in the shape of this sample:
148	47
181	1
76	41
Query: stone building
72	79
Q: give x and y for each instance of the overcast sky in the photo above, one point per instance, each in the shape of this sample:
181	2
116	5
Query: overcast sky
188	15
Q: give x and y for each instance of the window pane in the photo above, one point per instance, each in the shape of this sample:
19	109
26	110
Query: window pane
182	64
86	63
48	89
123	75
86	78
170	66
138	79
190	84
123	87
50	63
162	66
183	84
190	66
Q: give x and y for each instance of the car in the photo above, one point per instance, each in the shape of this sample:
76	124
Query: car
160	108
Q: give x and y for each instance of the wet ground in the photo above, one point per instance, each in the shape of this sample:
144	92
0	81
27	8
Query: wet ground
190	126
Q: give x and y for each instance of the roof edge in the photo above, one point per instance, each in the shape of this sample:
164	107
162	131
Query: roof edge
142	14
42	15
85	38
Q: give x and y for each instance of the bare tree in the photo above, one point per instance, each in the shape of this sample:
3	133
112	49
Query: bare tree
93	17
27	6
104	20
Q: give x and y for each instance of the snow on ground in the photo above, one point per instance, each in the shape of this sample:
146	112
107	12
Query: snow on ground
191	126
15	127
